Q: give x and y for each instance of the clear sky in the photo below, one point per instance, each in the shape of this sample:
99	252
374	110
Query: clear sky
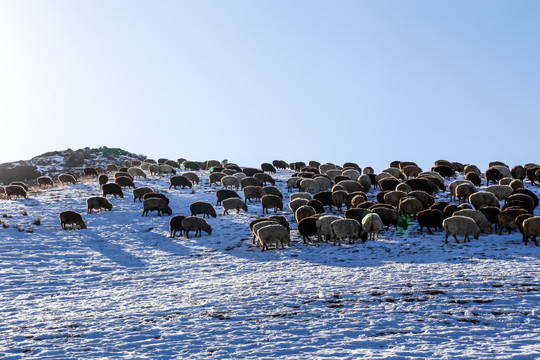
252	81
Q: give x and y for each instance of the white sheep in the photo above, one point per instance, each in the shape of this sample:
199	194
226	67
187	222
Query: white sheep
323	226
482	198
504	170
372	223
273	234
324	182
233	204
350	185
431	173
332	173
500	191
292	183
300	195
230	180
345	229
240	176
323	168
136	172
479	218
454	184
255	228
531	228
393	197
309	185
352	174
462	226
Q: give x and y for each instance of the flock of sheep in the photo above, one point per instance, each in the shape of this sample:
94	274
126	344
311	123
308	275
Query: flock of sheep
328	202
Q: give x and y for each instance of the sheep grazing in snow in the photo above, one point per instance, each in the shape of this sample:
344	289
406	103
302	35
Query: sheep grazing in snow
250	181
230	181
258	223
225	194
462	226
112	189
531	228
309	185
98	203
90	171
45	180
65	178
265	178
267	167
518	172
271	190
303	195
339	198
323	226
388	184
500	191
493	174
139	192
472	168
252	192
404	187
481	199
72	218
463	191
102	179
507	218
156	204
325	197
179	180
393	197
346	229
478	217
530	193
202	207
136	172
124	181
274	234
372	223
197	224
430	218
233	204
474	178
271	201
155	195
316	205
388	216
410	206
15	190
191	176
307	227
357	214
293	183
303	212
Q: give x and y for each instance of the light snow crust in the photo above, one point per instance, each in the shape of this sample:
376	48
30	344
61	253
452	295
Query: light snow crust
123	289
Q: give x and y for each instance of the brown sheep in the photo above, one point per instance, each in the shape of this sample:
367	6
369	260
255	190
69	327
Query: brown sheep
124	181
72	218
98	203
271	201
197	224
65	178
157	204
15	190
102	179
45	180
202	207
139	192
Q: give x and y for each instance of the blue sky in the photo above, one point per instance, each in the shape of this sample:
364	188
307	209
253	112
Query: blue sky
253	81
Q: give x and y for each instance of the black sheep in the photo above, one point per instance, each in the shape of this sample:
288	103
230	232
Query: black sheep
325	197
179	180
267	167
112	189
430	218
493	174
316	205
444	170
225	194
421	184
527	192
175	225
492	214
308	227
388	184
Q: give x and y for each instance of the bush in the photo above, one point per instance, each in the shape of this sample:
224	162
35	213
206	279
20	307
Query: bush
112	151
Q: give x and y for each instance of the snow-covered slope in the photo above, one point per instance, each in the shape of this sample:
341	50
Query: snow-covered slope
123	289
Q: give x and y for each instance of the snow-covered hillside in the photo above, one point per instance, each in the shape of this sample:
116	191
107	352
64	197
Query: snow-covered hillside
123	289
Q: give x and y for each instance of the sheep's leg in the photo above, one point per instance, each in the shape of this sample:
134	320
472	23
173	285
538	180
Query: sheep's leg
455	237
429	231
534	240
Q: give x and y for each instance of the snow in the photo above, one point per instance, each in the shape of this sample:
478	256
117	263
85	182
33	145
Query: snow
123	289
